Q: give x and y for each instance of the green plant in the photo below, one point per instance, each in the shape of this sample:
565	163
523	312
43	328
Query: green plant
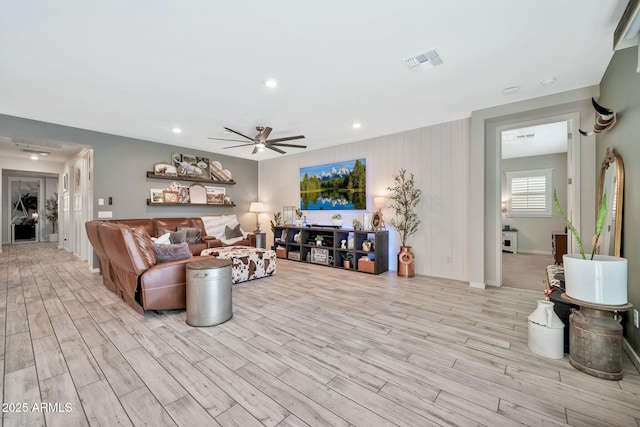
602	213
346	255
336	216
276	221
319	238
299	213
51	208
405	197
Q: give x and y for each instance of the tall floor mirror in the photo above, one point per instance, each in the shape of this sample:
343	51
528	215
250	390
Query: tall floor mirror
611	183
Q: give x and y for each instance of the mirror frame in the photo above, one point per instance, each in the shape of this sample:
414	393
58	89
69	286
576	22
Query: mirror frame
609	158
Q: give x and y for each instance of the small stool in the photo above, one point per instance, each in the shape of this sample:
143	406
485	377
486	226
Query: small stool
208	292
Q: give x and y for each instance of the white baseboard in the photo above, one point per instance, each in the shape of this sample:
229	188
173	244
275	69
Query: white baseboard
635	359
94	270
477	285
525	251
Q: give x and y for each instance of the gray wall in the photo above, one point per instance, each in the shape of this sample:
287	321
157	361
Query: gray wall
620	89
534	234
120	165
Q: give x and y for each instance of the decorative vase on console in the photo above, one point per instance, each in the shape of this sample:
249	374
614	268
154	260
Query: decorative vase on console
598	279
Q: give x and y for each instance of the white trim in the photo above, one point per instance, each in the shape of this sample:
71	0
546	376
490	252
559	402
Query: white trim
534	252
477	285
635	359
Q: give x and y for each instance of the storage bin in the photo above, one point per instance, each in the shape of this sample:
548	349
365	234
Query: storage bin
281	253
366	266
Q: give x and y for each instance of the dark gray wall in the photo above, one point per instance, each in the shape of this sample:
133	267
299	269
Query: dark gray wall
620	90
120	165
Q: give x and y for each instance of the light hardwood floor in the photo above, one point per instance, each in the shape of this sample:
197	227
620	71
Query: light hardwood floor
309	346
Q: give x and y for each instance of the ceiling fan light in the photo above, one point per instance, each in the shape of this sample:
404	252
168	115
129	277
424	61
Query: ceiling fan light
260	145
260	149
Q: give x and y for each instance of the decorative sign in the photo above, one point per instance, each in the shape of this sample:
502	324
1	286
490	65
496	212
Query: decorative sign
320	256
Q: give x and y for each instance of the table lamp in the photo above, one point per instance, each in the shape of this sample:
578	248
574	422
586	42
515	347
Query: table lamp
257	208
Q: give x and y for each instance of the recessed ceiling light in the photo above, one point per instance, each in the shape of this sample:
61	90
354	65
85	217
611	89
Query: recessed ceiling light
44	154
511	90
176	130
548	82
34	157
356	125
271	83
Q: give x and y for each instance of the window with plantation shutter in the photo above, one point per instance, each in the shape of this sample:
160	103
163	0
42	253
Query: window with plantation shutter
529	193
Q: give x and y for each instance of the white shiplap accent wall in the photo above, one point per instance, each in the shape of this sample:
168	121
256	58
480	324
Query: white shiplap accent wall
437	155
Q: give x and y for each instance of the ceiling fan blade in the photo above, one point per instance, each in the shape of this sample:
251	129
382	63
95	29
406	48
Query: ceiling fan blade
270	147
255	150
289	138
238	133
265	134
287	145
241	145
225	139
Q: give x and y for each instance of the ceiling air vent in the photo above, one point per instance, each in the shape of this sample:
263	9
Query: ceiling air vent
424	61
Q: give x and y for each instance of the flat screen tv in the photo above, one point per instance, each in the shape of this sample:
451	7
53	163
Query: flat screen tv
334	186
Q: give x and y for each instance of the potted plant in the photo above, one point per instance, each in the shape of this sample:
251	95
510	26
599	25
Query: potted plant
346	259
337	220
319	239
275	222
299	215
405	197
599	279
51	208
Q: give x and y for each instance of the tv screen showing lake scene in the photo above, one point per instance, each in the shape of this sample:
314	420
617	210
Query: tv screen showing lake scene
334	186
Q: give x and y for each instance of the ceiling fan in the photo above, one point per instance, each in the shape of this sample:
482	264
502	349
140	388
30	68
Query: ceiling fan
261	140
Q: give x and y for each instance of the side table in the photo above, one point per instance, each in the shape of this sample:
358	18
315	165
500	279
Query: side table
596	338
208	291
261	240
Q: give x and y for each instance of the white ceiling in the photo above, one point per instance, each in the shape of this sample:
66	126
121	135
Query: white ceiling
139	68
535	140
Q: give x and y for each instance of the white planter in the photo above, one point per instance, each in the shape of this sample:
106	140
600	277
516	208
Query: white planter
602	280
337	222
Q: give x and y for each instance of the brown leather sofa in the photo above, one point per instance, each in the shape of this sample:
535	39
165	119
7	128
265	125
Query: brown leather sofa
129	265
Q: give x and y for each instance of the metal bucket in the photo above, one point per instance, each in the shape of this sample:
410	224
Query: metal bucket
208	292
596	343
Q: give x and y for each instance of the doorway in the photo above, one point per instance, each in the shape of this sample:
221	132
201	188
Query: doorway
25	208
538	158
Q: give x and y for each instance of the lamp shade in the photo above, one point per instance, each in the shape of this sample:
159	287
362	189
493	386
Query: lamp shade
379	202
256	207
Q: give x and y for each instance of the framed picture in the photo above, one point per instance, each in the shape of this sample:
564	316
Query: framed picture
165	169
334	186
157	195
191	166
183	196
215	195
170	196
198	194
366	220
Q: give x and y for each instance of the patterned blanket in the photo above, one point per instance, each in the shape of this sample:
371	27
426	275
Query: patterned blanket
248	263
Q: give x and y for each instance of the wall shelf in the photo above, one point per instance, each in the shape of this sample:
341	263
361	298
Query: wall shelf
150	174
377	259
149	203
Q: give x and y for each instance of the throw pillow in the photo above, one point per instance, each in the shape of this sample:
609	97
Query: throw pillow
166	253
230	233
165	239
177	236
194	234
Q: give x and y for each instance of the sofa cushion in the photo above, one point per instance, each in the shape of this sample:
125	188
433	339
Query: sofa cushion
231	233
145	244
170	224
166	253
194	234
179	236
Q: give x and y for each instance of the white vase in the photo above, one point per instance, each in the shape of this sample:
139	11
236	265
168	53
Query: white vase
602	280
546	331
337	222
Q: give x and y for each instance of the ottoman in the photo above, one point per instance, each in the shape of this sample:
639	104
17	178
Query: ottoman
248	263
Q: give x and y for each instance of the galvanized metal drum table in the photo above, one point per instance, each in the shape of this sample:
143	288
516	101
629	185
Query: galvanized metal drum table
596	338
208	291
